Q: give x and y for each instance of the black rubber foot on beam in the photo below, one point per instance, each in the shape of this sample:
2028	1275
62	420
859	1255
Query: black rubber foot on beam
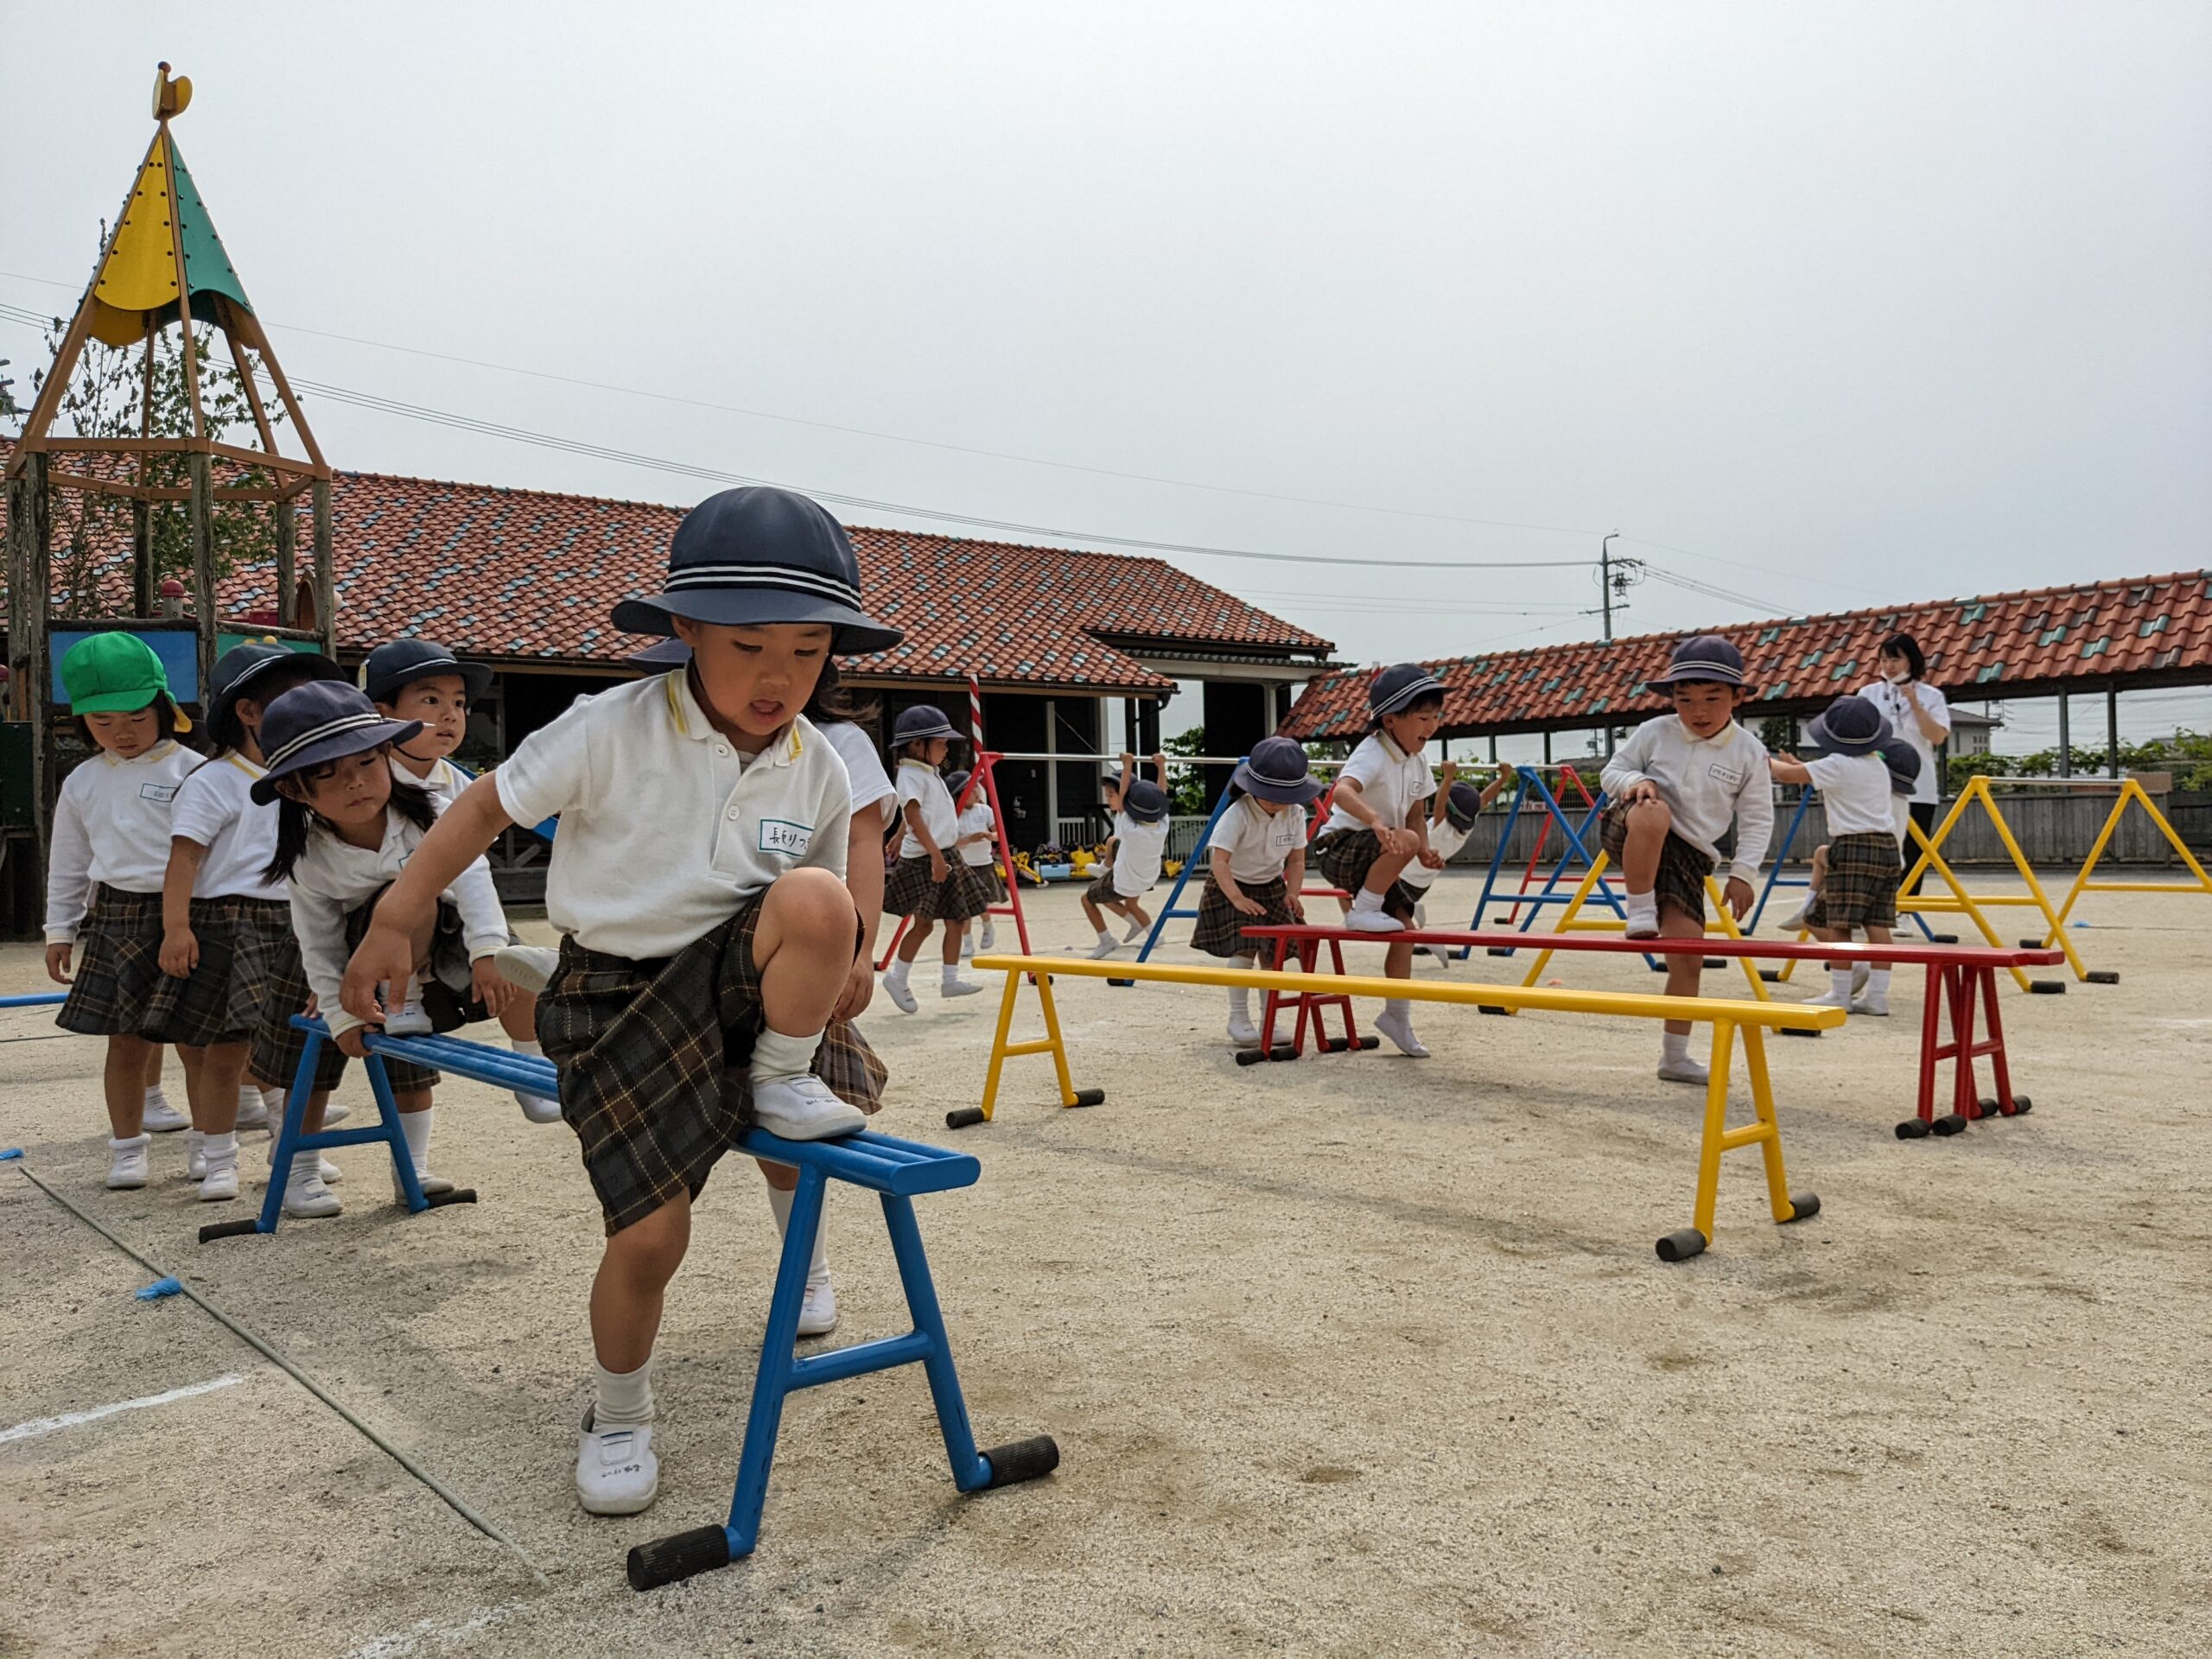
2022	1105
1716	962
2047	987
1333	1044
1090	1097
1799	1031
459	1195
1658	967
1679	1247
1485	1008
1942	938
1283	1052
1499	950
671	1560
1251	1056
2033	945
1951	1124
1122	983
208	1235
1912	1130
1021	1461
1370	1042
2103	976
1771	976
966	1117
1806	1204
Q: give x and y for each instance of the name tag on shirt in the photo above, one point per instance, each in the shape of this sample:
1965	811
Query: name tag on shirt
781	835
1284	836
1724	773
157	791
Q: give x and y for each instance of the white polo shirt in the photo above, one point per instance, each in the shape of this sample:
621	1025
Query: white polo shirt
1392	784
1139	850
445	780
870	784
975	819
110	825
214	806
665	828
1896	703
920	781
332	876
1854	793
1259	842
1707	783
1447	840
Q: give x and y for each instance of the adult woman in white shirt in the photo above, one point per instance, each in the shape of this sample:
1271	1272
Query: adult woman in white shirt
1919	713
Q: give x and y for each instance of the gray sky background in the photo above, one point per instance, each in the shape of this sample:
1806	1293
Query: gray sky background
1825	306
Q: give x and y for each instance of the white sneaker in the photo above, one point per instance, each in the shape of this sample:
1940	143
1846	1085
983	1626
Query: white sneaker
1871	1003
1135	931
1794	920
195	1155
817	1314
253	1110
1684	1070
1373	921
537	1108
1105	948
803	1109
221	1182
311	1200
1399	1029
1827	999
162	1118
1643	919
957	986
529	966
126	1165
967	946
329	1172
1242	1031
616	1471
431	1185
900	992
407	1020
989	943
1860	973
335	1113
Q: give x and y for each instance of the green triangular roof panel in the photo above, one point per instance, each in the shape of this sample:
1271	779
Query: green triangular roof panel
206	267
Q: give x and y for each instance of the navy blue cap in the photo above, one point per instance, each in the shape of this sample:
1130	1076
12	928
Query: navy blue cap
1708	657
1851	725
314	724
1144	802
956	781
1277	770
237	669
671	653
757	556
1395	687
402	662
919	724
1904	765
1464	805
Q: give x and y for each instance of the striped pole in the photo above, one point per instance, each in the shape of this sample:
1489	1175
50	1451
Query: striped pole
976	711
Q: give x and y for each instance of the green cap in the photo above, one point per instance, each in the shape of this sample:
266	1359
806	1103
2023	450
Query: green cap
113	672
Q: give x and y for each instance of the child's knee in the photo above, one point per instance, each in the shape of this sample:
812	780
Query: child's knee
1649	818
653	1246
811	901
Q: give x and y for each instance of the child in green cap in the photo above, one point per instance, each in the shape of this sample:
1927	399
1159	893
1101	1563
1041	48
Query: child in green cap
109	846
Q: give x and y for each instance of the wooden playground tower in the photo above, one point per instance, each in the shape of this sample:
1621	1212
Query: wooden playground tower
162	263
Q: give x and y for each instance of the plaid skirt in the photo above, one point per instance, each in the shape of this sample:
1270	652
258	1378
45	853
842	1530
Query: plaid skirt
1861	887
220	1001
278	1044
911	890
990	885
1220	929
1683	868
1345	856
117	964
653	1058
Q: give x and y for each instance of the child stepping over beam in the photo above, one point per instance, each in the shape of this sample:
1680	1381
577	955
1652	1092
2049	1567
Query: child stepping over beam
1255	864
930	884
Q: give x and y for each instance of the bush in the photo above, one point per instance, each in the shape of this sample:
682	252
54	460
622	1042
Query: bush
2188	755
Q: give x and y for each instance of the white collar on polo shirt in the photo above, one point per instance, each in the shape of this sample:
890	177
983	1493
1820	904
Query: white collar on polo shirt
692	722
1390	747
154	753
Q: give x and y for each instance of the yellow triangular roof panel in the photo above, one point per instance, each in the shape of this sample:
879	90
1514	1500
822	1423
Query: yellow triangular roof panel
139	281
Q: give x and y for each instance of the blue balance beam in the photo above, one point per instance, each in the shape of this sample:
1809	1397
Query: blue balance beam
896	1171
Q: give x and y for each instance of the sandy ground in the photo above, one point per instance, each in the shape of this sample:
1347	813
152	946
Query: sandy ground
1358	1356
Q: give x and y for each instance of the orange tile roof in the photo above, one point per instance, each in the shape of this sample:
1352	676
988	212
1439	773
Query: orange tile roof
2143	631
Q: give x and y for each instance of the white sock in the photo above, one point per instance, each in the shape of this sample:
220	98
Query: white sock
156	1097
1104	937
1840	982
990	938
779	1201
1398	1007
1643	906
528	1046
776	1056
416	1126
897	970
1877	983
951	973
625	1398
307	1167
1239	1002
1674	1045
222	1150
1367	898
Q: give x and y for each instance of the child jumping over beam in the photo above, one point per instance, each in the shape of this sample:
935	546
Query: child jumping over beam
978	844
1257	864
707	937
1133	854
1377	829
1451	821
929	883
1678	786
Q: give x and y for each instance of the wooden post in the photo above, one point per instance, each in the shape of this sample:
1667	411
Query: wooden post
201	510
326	582
288	554
2065	740
144	599
34	595
2112	727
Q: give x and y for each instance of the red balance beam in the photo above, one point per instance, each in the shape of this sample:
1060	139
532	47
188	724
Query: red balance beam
1960	978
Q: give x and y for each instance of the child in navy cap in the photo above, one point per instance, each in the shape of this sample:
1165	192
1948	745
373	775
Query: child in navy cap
1255	864
1679	785
928	884
708	939
1134	853
1451	819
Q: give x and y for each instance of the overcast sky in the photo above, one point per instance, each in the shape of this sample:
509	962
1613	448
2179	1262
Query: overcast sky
1824	306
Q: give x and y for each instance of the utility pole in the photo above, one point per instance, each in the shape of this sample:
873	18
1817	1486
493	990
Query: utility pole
1605	582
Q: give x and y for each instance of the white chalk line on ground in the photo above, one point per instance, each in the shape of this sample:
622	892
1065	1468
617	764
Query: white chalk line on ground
38	1426
400	1644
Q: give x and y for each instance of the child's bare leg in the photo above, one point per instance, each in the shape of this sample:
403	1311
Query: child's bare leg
911	946
1684	974
1648	824
130	1061
1386	868
953	933
1397	1020
1820	868
211	1080
520	1018
627	1292
802	947
1090	914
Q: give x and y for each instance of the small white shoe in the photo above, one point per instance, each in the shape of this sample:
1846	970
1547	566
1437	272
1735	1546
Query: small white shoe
162	1118
407	1020
803	1109
1374	921
901	995
1242	1031
1860	973
537	1108
1135	931
1794	921
989	943
126	1165
253	1110
221	1182
1871	1003
1684	1070
817	1314
1827	999
311	1200
529	967
336	1112
1399	1029
957	986
195	1155
967	946
1642	924
328	1172
1105	948
431	1185
616	1471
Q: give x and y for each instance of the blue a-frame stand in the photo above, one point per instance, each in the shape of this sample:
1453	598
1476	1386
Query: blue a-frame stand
1780	856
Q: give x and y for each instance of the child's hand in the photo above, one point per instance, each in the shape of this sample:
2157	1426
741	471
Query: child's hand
354	1041
859	988
180	953
1394	843
1740	896
1450	774
384	958
1640	791
313	1009
938	868
1431	858
1245	905
1297	906
57	962
493	989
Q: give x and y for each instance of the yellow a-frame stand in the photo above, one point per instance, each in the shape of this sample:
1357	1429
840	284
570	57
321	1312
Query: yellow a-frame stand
2130	789
1931	856
1570	921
